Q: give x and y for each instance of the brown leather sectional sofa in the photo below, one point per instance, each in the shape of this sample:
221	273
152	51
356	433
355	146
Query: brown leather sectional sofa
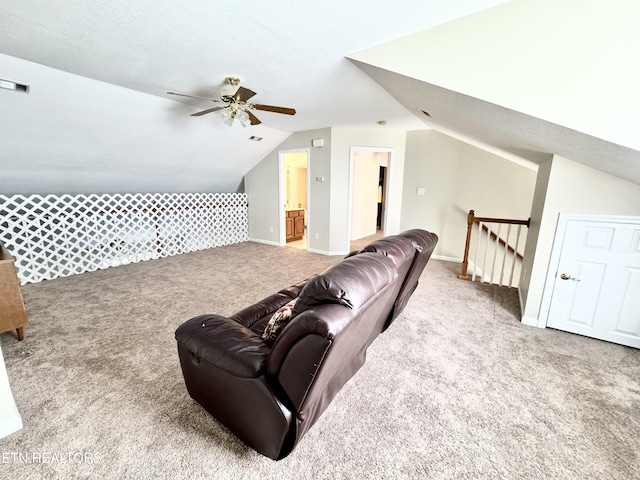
270	392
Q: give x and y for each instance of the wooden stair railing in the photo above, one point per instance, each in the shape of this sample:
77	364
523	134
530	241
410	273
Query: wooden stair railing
496	239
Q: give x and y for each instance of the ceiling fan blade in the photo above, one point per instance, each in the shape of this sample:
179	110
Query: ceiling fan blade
271	108
209	110
243	94
194	96
254	120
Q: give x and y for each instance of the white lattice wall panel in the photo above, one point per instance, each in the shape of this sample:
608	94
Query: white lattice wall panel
57	236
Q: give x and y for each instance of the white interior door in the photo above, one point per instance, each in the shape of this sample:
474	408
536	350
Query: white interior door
597	281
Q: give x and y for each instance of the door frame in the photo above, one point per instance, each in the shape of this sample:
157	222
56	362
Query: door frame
388	183
282	194
556	250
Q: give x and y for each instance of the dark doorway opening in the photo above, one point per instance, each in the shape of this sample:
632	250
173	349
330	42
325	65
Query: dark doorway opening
381	197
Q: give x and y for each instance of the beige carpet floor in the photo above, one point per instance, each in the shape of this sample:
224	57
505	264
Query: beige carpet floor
456	388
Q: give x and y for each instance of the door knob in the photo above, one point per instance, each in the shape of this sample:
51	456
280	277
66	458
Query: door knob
564	276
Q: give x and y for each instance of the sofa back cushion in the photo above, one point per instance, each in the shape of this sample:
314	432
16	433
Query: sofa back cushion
345	286
397	248
403	253
424	243
341	312
350	283
337	316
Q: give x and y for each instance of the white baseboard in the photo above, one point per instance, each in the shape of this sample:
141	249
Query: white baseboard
312	250
327	252
531	321
266	242
364	236
446	259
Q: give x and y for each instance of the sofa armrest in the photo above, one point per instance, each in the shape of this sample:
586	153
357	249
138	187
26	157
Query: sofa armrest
224	343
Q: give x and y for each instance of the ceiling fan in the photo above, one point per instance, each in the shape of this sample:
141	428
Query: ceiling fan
236	104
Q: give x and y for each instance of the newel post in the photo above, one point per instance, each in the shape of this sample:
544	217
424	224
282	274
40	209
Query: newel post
465	260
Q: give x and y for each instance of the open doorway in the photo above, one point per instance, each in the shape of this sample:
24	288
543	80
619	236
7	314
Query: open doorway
294	197
368	192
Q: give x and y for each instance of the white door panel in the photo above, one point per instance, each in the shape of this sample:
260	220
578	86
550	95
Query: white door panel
635	242
596	290
628	318
586	292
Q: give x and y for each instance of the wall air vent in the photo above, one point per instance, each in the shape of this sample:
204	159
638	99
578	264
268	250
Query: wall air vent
17	87
254	138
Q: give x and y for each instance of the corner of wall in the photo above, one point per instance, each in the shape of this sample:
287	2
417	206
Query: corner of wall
10	420
537	210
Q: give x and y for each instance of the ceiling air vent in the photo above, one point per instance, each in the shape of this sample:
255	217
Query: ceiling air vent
18	87
254	138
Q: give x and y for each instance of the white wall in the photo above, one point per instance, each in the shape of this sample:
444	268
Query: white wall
537	209
342	139
10	420
571	62
458	177
328	199
568	187
261	185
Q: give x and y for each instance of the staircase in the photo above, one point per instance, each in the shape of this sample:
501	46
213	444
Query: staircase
496	245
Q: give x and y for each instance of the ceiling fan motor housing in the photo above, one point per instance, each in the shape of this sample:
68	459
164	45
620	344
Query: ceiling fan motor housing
230	89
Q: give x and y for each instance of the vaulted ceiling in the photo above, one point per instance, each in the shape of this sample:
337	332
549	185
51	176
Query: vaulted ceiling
528	79
98	119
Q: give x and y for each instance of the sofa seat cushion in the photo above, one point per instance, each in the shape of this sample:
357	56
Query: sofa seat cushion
253	314
256	316
278	321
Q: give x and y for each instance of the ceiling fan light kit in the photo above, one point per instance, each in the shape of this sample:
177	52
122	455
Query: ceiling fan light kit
226	116
236	100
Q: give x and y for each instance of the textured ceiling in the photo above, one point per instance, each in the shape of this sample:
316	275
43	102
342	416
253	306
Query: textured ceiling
290	53
73	134
79	131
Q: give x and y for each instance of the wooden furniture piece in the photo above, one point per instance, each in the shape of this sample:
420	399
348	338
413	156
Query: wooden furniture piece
295	225
13	315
